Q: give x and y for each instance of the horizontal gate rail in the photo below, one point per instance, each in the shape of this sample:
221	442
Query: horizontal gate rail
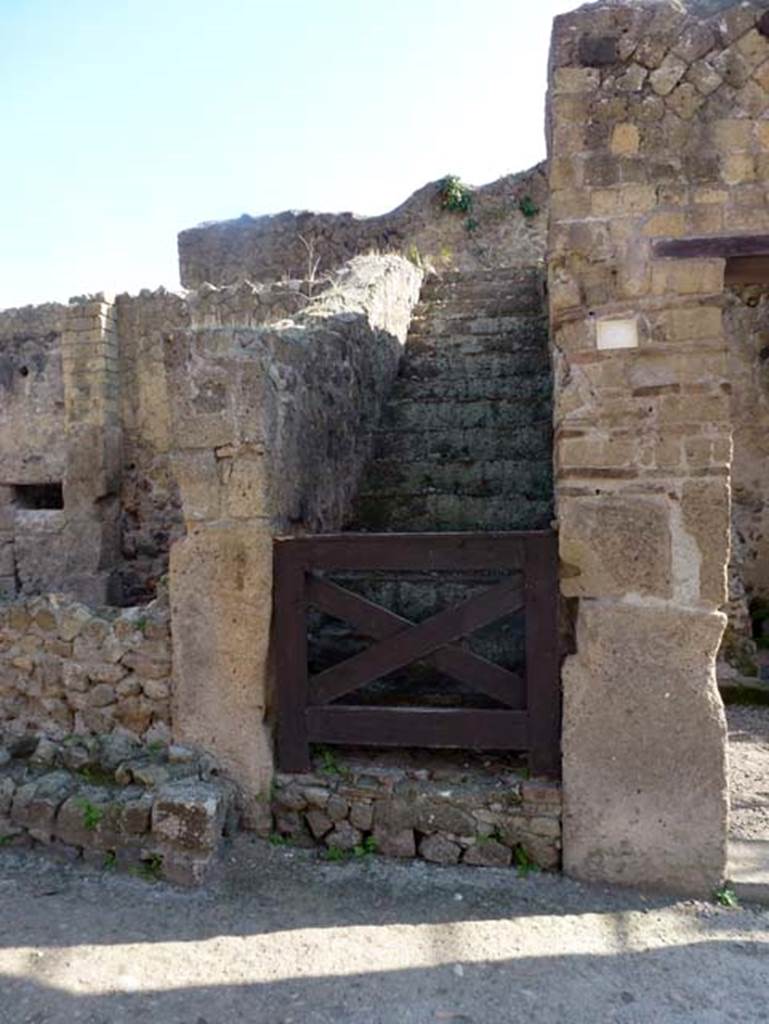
530	718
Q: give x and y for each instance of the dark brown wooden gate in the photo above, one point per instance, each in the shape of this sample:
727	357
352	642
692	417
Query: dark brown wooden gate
307	708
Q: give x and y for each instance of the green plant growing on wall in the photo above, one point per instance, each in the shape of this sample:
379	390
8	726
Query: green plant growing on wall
366	848
151	868
524	864
335	854
725	896
455	196
92	815
528	207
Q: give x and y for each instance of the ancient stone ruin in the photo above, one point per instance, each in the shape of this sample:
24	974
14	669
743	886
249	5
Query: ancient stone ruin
279	551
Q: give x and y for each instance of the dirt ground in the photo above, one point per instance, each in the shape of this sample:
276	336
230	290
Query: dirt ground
749	771
281	938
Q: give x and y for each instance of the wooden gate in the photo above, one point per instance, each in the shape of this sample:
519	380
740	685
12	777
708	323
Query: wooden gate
307	704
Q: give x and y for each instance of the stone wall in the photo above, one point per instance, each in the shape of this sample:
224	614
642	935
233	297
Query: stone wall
746	320
66	669
495	231
449	814
272	426
31	448
116	805
653	135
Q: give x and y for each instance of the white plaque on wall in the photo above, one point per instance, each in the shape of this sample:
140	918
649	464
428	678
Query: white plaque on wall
617	334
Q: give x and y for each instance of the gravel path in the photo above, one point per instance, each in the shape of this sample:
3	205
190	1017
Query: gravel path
749	771
280	938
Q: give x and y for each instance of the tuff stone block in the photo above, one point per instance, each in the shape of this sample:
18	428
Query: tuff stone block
630	815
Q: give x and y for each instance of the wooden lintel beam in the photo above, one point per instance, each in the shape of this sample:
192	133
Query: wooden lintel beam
712	247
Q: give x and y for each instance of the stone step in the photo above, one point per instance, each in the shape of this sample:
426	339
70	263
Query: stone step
423	417
467	388
448	365
515	302
421	513
464	323
530	478
748	869
532	440
495	276
443	291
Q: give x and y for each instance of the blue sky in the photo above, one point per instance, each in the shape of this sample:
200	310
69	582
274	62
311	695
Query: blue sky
124	121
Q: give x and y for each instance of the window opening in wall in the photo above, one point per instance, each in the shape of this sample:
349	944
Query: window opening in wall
38	496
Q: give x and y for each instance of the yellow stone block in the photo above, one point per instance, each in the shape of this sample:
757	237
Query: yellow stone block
738	167
576	80
705	220
687	277
762	134
625	139
753	47
566	204
761	75
692	323
564	172
730	134
670	225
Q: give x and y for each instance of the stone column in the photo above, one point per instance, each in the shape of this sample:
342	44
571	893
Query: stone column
643	444
93	440
221	570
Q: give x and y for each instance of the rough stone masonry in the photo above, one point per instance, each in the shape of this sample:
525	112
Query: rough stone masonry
155	444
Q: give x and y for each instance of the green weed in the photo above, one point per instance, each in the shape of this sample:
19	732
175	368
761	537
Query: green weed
725	896
524	865
455	196
92	814
528	207
151	868
366	848
335	853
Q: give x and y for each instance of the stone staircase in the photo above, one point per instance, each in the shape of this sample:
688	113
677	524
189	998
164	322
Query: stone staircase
464	444
465	440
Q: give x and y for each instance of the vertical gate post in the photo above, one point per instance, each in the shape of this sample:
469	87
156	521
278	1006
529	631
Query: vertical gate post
543	688
291	658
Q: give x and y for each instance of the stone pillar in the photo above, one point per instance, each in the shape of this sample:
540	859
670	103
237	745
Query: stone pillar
221	570
93	439
642	441
221	604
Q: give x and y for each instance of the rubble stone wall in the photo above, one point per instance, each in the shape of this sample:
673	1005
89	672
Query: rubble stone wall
158	813
655	132
67	669
505	223
447	818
